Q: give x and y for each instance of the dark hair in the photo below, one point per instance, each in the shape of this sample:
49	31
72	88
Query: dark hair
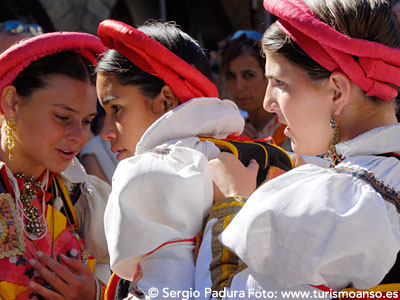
66	63
364	19
169	35
230	49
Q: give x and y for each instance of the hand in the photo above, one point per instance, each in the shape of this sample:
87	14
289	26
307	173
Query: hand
79	284
250	131
297	160
232	178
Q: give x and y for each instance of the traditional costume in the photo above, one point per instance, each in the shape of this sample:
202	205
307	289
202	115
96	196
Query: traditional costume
161	195
324	229
59	213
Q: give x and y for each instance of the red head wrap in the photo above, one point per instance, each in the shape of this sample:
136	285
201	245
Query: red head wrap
378	65
18	57
186	81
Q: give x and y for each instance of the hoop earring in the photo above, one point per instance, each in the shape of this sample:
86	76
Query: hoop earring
334	157
10	137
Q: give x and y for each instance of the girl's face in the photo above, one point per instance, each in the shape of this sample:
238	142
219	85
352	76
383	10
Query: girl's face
302	105
52	125
246	82
128	114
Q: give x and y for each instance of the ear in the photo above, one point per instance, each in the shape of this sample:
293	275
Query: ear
341	86
9	101
165	101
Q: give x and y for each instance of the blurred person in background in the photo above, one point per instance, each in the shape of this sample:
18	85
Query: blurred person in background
242	71
13	31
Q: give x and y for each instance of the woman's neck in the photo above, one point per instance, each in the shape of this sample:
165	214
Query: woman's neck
18	166
358	119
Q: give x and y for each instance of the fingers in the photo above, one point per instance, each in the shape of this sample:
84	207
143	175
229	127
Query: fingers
58	270
44	292
76	265
253	166
68	284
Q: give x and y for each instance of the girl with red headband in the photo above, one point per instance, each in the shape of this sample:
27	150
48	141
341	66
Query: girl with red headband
51	219
154	86
334	73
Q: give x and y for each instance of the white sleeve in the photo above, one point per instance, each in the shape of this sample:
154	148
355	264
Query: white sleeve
90	210
313	226
156	197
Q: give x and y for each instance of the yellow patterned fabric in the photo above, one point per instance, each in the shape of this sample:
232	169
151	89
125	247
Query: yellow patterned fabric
10	290
224	265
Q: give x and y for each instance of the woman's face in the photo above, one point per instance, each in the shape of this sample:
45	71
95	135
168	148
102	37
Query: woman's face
128	114
53	124
300	104
246	82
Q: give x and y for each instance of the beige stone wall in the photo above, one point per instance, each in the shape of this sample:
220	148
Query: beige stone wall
77	15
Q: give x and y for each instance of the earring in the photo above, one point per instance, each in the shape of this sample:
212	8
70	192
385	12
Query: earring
334	157
10	137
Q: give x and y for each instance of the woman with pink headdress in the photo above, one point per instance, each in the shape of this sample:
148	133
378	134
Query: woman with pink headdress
333	70
51	222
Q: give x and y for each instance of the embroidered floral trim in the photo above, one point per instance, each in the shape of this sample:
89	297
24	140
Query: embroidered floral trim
387	193
12	241
161	151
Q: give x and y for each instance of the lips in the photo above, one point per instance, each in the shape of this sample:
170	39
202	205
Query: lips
67	154
121	154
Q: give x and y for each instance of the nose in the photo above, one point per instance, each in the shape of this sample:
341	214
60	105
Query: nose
77	134
270	103
108	131
240	84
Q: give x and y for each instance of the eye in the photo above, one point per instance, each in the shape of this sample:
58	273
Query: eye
61	117
278	83
116	108
87	122
248	75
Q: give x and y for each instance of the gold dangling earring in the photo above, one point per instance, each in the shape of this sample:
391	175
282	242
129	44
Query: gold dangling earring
334	157
10	137
73	162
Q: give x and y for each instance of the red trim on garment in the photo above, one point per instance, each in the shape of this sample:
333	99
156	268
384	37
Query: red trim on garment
6	181
171	242
111	288
20	183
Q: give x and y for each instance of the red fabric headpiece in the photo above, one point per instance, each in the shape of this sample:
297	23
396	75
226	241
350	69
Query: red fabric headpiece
377	67
18	57
186	81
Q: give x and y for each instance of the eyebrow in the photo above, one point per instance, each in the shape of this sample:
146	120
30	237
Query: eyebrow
106	101
63	106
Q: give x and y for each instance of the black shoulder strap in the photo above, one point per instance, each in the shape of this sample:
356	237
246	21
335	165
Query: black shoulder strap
390	154
266	154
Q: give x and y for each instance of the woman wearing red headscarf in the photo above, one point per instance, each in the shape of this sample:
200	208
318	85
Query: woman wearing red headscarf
154	86
51	228
334	73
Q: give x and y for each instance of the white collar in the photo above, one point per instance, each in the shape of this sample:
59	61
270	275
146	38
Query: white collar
75	174
376	141
198	117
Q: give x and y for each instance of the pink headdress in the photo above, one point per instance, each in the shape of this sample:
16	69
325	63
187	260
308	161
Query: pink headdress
186	81
18	57
378	65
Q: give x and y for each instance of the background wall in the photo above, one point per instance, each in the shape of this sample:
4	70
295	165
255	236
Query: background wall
208	21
